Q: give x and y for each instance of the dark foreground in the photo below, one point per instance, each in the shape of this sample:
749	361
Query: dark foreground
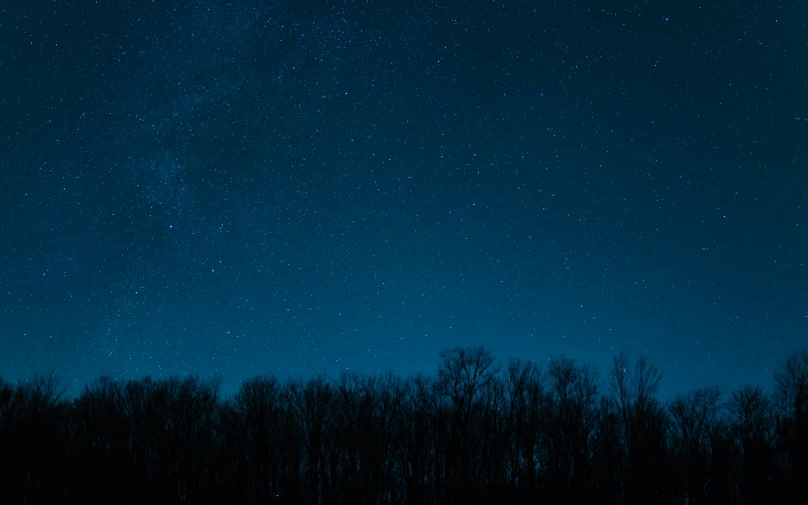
473	433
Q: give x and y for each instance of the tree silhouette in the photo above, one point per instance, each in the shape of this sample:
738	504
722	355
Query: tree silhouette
753	427
463	376
792	424
692	421
643	424
474	433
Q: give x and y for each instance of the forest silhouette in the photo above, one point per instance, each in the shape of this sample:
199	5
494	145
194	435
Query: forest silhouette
477	432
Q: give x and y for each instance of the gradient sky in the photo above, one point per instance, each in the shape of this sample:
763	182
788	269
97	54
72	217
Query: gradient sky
294	187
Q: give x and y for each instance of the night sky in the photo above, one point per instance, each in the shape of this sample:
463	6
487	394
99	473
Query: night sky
293	187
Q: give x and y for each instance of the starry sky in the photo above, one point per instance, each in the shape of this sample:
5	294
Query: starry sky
291	188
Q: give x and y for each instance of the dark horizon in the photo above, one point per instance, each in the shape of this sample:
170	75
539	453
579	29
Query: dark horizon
228	389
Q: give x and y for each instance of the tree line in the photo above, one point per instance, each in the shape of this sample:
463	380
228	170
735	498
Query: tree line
477	432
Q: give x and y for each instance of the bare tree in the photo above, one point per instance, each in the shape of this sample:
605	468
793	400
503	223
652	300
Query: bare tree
257	405
791	379
573	392
463	373
693	417
753	426
527	401
751	408
47	390
312	404
633	389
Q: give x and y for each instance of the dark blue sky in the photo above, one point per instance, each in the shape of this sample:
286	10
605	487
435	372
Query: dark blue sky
296	187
